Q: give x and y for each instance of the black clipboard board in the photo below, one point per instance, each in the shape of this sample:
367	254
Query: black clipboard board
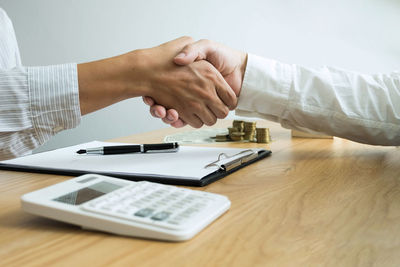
225	168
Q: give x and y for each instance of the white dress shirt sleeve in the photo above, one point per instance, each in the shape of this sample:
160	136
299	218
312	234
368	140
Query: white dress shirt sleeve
35	104
359	107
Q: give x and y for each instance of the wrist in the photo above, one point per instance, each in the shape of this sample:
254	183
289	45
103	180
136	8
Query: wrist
108	81
137	70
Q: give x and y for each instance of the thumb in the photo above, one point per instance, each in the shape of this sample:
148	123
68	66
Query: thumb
193	52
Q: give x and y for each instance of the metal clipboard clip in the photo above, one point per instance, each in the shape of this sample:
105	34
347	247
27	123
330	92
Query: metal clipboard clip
223	162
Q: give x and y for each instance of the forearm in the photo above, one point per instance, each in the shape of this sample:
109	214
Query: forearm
38	102
359	107
108	81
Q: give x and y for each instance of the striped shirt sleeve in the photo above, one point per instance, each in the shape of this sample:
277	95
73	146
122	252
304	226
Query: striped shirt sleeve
35	104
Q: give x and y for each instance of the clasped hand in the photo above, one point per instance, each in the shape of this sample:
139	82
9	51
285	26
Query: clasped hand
205	105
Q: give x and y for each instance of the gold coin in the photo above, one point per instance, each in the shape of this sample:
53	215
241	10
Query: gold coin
237	134
222	138
237	138
232	129
239	125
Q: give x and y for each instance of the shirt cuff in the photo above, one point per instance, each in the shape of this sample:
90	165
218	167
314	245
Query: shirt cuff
265	90
54	99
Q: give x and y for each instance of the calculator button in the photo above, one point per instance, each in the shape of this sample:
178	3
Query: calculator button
161	216
178	220
106	207
121	211
161	203
139	203
175	221
135	205
181	203
144	212
199	205
154	207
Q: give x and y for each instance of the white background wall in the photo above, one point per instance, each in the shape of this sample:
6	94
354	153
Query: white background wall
360	35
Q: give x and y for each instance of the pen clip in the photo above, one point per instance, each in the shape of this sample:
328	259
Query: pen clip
160	148
163	150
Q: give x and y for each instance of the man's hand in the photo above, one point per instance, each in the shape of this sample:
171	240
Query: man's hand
198	92
195	90
229	62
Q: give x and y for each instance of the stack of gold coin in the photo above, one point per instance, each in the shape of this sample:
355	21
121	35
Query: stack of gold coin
222	138
239	125
249	130
232	130
237	136
236	131
263	135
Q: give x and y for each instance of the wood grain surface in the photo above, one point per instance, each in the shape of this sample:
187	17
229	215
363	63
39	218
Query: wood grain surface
314	202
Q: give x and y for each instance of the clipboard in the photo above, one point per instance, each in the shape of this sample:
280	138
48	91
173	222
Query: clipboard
191	166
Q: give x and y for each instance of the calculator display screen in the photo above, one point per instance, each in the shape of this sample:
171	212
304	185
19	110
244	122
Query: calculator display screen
88	193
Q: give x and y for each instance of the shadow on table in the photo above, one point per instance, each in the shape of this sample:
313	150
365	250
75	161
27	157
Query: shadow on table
21	219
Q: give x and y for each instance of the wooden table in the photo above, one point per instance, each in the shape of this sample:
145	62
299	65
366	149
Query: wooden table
314	202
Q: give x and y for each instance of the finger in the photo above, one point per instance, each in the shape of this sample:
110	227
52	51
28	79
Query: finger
224	101
220	111
225	92
148	100
172	115
195	51
193	120
166	121
206	115
178	124
158	111
226	96
178	43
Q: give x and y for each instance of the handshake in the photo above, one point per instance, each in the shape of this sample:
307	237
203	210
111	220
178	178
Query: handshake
210	85
184	82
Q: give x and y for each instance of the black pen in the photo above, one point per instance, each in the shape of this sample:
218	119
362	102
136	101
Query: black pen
123	149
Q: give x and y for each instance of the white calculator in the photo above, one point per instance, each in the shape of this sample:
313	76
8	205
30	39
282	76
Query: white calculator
139	209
